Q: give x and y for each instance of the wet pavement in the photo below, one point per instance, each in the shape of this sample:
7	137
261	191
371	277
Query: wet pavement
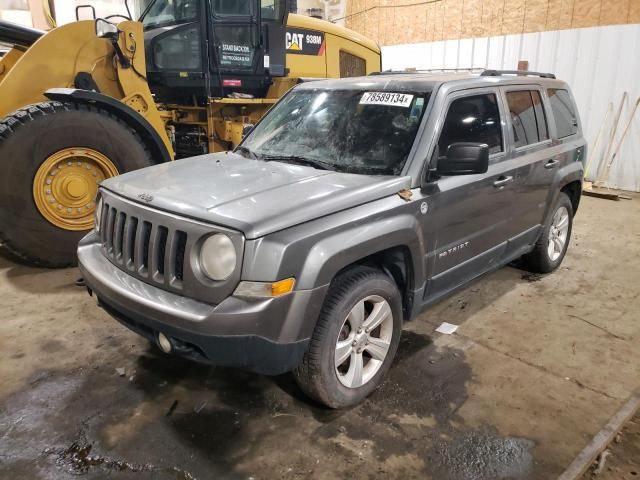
516	393
170	418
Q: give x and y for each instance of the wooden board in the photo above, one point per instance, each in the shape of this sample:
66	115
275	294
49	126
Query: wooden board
588	455
601	194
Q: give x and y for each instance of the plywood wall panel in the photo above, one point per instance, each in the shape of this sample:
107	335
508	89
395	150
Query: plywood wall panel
535	15
513	16
371	19
566	14
586	13
372	24
430	27
472	19
452	24
438	21
634	12
496	13
418	22
399	21
554	8
614	12
403	22
387	22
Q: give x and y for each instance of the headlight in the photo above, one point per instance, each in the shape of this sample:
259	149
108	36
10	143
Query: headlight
98	213
218	257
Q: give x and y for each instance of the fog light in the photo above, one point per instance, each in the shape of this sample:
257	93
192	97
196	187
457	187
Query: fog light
164	343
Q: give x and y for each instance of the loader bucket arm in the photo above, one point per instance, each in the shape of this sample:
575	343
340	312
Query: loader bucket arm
55	60
14	34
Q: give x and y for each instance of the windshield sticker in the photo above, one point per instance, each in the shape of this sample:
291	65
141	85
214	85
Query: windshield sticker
386	98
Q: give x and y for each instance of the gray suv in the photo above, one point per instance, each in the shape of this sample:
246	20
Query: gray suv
349	208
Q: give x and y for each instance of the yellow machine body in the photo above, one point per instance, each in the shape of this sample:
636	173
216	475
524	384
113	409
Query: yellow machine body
55	59
72	65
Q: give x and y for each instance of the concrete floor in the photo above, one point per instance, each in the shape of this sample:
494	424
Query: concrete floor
537	367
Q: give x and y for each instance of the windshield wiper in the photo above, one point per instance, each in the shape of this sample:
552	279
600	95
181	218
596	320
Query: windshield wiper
300	161
247	151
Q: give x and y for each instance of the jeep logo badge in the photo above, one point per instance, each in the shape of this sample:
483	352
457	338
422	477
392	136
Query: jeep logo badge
147	197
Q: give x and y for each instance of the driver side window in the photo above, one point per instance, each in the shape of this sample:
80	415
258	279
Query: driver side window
475	118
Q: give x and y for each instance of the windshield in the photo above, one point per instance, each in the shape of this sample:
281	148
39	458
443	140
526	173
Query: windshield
346	130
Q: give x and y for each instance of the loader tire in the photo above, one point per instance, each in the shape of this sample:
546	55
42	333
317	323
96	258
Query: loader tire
52	155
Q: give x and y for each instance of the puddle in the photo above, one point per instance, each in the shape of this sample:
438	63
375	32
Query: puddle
480	455
78	460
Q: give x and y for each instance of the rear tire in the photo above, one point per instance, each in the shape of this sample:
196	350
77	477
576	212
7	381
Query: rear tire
339	348
551	247
31	136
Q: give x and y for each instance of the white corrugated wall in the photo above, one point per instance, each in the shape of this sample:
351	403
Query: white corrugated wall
600	64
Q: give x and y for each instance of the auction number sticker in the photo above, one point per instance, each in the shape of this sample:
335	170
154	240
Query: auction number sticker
386	98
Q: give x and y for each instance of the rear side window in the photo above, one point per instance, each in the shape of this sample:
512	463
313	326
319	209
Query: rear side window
563	112
472	119
528	120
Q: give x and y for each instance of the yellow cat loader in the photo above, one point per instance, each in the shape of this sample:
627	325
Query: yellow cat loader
94	99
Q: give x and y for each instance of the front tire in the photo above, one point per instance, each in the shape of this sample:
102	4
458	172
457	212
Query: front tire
52	156
355	339
551	247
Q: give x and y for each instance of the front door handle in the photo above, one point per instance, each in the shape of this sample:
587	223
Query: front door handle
502	181
550	164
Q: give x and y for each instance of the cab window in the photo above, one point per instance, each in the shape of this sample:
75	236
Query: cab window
170	12
475	118
272	9
232	7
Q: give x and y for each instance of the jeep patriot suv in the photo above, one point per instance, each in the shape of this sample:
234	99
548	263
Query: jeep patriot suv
349	208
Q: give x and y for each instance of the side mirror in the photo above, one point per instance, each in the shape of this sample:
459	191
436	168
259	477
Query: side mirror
464	158
105	29
247	128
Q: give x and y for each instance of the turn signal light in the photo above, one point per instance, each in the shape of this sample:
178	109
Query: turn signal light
265	289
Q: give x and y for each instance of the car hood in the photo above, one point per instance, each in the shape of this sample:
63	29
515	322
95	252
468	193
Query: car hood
252	196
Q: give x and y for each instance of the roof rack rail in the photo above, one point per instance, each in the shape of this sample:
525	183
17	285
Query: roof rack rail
497	73
429	70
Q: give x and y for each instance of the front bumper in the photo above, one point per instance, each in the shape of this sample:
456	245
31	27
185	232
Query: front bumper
267	336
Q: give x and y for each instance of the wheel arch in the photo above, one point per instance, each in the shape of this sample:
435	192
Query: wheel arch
133	119
397	263
567	180
573	190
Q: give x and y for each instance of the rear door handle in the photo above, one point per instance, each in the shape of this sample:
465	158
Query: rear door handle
502	181
550	164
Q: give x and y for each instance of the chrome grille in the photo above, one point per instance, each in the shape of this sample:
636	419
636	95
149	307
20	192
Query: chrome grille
153	251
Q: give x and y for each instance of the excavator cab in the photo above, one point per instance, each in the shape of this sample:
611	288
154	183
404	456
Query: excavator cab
210	48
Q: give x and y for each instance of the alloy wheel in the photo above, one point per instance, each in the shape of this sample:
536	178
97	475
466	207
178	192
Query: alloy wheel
363	341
